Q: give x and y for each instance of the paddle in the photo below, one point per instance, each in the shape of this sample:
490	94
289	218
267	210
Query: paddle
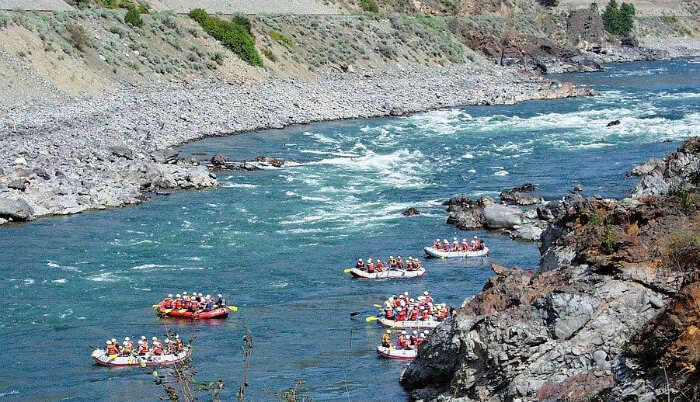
355	313
377	306
347	270
232	308
371	318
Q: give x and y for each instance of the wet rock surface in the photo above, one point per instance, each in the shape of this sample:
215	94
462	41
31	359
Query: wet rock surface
612	313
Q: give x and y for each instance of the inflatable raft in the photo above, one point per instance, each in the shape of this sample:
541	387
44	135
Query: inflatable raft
392	274
102	358
393	353
433	252
387	323
221	312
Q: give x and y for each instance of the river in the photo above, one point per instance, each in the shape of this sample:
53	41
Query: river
275	242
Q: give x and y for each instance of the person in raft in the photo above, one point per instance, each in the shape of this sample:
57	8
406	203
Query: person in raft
412	264
194	303
405	308
113	348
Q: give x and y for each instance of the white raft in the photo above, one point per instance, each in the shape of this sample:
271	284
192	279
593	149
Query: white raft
102	358
387	323
387	274
433	252
399	354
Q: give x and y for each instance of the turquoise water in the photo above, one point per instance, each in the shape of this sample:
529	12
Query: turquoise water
276	241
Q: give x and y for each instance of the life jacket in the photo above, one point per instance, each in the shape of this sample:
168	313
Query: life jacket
447	246
380	266
414	315
111	350
397	302
438	246
360	265
442	314
401	316
178	304
401	341
370	267
455	245
168	302
143	348
389	313
157	348
465	246
178	345
426	315
399	264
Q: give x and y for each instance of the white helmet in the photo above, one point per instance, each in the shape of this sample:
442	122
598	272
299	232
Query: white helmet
403	332
200	295
360	260
177	336
178	295
411	300
454	238
143	338
426	332
108	342
445	240
399	257
208	296
464	239
475	237
154	339
219	295
415	332
184	293
127	338
426	293
405	293
113	340
391	256
170	295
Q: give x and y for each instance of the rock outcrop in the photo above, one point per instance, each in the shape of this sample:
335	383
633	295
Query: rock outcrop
613	313
662	176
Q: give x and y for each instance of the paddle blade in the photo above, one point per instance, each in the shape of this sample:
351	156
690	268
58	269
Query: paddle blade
155	305
371	318
232	308
354	313
347	270
377	306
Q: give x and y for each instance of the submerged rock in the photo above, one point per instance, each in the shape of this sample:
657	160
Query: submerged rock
411	212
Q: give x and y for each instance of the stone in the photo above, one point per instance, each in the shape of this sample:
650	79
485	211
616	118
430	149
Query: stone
122	152
527	232
20	162
498	216
566	313
41	172
613	123
15	209
522	195
18	184
411	212
220	160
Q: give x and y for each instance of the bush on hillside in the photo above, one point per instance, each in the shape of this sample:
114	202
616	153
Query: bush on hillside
279	37
133	18
619	20
77	36
234	34
549	3
369	5
684	250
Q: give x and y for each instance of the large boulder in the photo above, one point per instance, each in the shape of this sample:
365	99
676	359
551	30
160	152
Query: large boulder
522	195
15	209
498	216
567	313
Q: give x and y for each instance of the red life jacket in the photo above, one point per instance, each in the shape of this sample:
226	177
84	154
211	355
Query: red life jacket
426	315
178	304
401	316
400	264
438	246
401	341
389	312
111	349
143	348
397	302
370	267
447	246
379	266
157	348
414	315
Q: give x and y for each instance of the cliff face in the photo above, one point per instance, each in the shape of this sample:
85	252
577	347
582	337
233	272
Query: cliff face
614	311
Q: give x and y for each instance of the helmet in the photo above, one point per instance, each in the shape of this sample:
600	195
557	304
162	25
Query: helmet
208	296
154	339
200	295
360	260
454	238
400	309
170	295
426	293
113	340
369	260
379	260
391	256
437	239
178	295
464	239
411	300
219	295
177	336
399	257
143	338
421	336
445	240
405	293
403	332
415	332
108	342
475	237
127	338
184	293
426	332
388	331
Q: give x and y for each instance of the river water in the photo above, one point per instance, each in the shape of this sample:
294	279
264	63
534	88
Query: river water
276	241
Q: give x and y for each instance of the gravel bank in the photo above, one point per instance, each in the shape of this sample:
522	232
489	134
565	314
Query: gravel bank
65	157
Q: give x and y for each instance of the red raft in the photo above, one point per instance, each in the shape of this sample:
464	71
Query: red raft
221	312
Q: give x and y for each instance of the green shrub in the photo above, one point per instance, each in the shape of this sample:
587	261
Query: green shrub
270	56
369	6
618	20
684	250
109	4
77	36
4	19
279	37
607	243
685	200
133	18
235	35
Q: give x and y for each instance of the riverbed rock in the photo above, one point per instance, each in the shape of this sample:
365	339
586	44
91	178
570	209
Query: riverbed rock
16	209
497	216
662	177
220	161
613	123
521	195
411	212
17	184
121	151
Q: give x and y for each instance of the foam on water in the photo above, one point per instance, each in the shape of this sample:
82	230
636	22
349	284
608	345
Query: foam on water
148	266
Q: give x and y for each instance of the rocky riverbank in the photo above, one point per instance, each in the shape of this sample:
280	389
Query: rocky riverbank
70	155
612	313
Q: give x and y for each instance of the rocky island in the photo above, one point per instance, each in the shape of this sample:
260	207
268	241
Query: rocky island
612	312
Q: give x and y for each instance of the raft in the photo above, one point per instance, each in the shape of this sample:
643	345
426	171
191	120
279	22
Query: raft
433	252
387	274
103	359
221	312
387	323
399	354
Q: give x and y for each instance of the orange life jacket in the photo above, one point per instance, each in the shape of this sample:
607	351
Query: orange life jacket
143	348
157	348
178	304
111	349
